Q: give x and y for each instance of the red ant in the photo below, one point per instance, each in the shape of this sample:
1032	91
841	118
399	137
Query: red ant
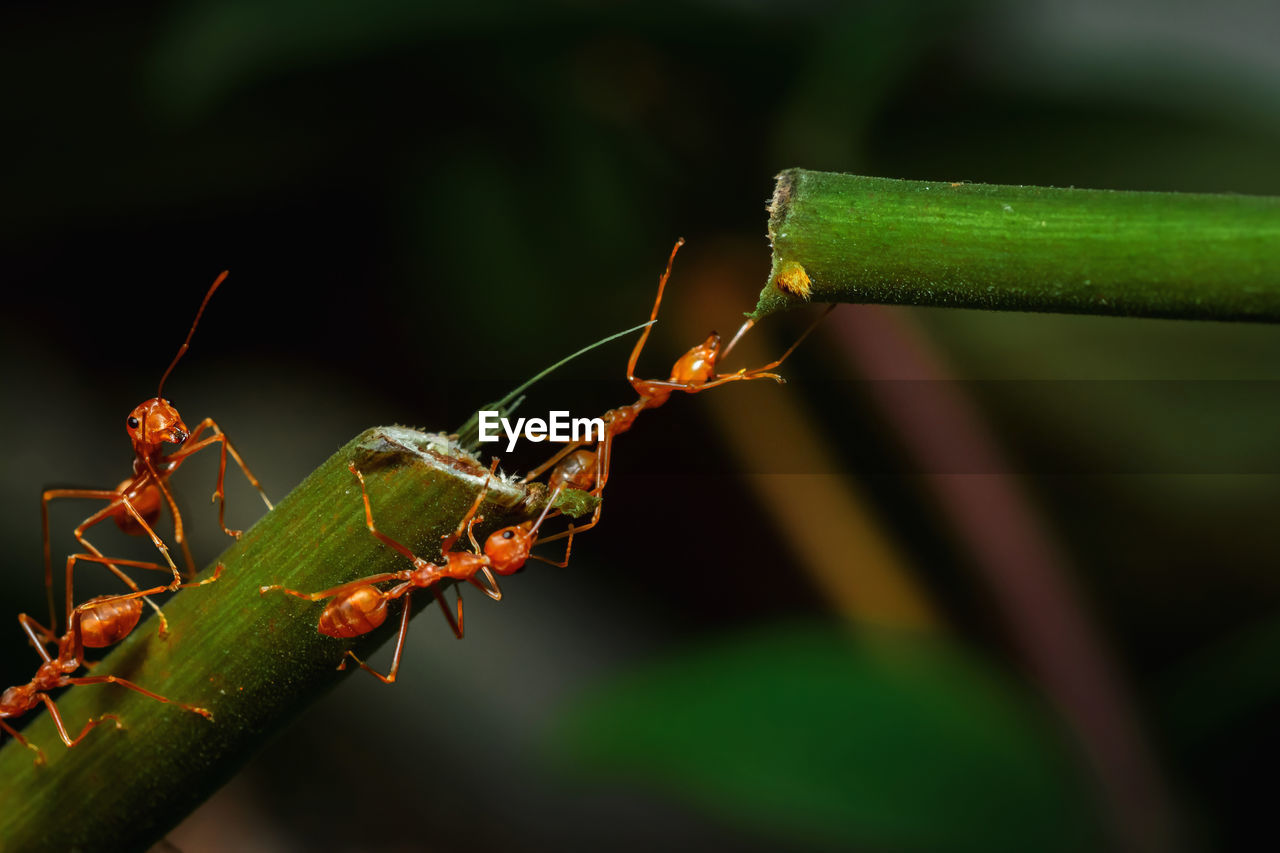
695	371
135	504
96	624
359	607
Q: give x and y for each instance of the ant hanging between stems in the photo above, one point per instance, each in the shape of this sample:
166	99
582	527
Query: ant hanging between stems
135	504
96	624
358	607
576	467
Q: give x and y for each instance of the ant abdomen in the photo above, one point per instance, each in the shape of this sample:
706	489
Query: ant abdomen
108	620
576	471
354	613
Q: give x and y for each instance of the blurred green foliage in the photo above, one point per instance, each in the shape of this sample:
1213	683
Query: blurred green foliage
816	737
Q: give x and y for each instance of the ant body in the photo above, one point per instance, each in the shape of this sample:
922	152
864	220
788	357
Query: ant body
96	624
358	607
136	502
577	467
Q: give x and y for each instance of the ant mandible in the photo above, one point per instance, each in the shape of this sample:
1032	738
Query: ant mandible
135	503
580	468
96	624
358	607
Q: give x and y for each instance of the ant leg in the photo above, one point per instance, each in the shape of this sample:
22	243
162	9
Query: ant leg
778	361
217	573
115	500
143	593
235	455
37	635
337	590
560	454
690	388
179	534
115	679
219	493
88	727
471	533
392	543
369	520
604	461
73	618
219	437
492	590
94	722
454	624
28	744
56	494
644	336
122	500
447	542
390	677
109	562
737	336
568	549
604	458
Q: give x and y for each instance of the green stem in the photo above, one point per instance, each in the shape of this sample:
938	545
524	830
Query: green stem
254	661
846	238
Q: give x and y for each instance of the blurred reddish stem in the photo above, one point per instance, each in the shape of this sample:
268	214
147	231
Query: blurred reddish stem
832	526
1028	576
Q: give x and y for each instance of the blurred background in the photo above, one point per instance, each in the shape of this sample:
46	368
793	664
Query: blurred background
970	581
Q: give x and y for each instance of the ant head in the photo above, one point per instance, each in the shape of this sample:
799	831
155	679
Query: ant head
698	365
153	423
508	548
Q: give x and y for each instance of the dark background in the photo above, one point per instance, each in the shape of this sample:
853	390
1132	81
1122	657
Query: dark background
420	206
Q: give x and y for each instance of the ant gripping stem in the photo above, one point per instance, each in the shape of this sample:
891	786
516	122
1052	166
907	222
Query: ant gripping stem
358	607
136	502
97	623
694	372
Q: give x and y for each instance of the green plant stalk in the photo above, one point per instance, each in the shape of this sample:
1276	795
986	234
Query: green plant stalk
961	245
254	661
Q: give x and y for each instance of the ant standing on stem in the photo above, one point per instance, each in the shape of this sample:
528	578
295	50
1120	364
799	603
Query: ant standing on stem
135	503
96	624
358	607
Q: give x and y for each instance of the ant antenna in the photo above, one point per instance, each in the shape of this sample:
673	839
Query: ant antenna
182	349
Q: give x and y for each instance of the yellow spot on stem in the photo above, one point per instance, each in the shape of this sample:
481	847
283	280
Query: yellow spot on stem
792	278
